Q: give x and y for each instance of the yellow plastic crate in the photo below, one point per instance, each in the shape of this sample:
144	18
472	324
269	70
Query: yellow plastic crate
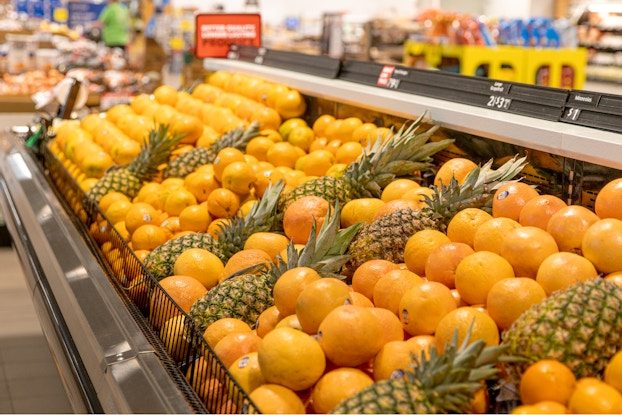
560	68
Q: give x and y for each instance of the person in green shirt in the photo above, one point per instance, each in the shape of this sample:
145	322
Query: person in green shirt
114	20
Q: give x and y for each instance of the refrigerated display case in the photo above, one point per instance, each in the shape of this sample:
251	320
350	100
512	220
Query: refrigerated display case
111	359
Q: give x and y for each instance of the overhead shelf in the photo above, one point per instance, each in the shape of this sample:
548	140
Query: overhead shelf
588	144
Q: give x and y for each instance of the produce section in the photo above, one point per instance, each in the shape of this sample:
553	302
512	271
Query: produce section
282	147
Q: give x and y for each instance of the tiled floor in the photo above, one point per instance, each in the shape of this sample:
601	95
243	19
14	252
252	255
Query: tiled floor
29	380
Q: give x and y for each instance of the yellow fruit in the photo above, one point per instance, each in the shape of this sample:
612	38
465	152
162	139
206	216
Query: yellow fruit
369	273
457	168
443	261
289	285
423	306
419	246
336	386
270	242
463	226
317	299
563	269
244	259
139	214
593	396
291	358
200	264
397	188
547	380
462	319
225	157
525	248
177	200
245	370
173	335
223	203
277	399
395	355
301	136
510	297
359	210
391	286
220	328
148	237
478	272
490	234
601	244
613	371
238	177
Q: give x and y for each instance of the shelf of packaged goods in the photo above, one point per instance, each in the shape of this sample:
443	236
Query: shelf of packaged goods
573	141
106	361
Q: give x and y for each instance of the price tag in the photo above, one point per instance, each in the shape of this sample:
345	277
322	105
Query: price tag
498	102
215	33
572	114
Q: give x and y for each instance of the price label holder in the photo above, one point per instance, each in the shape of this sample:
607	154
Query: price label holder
595	110
534	101
318	65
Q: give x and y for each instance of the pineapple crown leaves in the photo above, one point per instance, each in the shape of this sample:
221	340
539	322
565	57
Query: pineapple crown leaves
476	190
456	374
238	137
404	153
156	151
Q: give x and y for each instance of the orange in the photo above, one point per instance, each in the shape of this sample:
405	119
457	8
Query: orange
291	358
418	195
318	144
171	183
390	324
563	269
317	299
174	337
394	206
526	247
270	242
171	225
125	151
394	355
360	299
478	272
350	335
301	136
490	234
397	188
318	162
276	399
602	243
183	290
148	237
194	218
613	371
265	178
220	328
245	370
320	124
422	344
336	386
359	210
423	306
510	198
544	407
259	147
568	225
615	277
282	154
330	132
188	126
348	152
244	259
267	321
177	200
483	327
464	224
139	214
200	264
238	177
290	104
288	125
333	146
457	168
538	211
363	133
223	203
593	396
290	321
509	298
419	246
266	117
347	127
367	275
301	215
235	345
382	133
165	94
443	260
200	184
391	286
110	197
225	157
289	285
609	199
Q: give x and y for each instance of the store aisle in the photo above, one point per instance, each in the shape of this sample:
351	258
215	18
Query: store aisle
29	380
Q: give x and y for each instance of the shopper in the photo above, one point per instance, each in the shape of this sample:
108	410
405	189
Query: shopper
114	21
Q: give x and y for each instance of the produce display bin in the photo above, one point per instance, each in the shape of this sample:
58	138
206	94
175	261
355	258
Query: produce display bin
563	67
93	296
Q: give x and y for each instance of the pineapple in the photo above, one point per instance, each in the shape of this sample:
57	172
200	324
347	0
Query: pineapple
401	156
186	163
437	384
580	326
386	237
230	240
246	295
129	179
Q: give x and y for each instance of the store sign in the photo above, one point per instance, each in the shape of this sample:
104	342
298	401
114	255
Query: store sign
83	13
215	33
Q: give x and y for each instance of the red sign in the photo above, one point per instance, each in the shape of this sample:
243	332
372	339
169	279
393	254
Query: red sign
215	33
385	75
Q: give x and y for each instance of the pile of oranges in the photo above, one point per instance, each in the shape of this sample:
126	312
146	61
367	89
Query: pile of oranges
324	340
